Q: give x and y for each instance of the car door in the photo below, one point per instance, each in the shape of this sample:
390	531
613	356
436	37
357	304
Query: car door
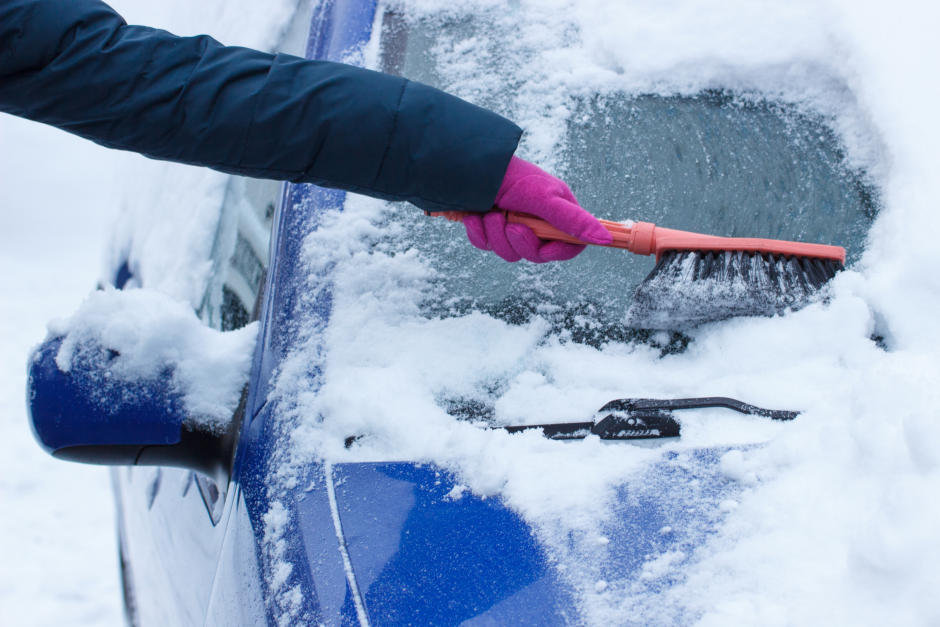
175	525
172	521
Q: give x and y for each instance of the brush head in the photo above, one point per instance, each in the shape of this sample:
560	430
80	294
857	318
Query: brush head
689	288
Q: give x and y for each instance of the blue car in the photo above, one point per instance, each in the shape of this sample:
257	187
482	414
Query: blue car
309	508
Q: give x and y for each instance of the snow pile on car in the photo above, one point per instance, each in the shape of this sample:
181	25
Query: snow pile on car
391	372
832	523
139	335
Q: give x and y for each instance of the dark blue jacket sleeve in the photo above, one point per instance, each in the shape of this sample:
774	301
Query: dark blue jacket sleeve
75	64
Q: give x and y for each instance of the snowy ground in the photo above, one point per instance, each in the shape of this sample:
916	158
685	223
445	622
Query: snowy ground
57	540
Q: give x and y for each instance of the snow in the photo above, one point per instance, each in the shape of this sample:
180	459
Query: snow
57	529
152	333
833	521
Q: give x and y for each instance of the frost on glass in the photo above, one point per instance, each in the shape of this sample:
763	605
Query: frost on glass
716	162
240	253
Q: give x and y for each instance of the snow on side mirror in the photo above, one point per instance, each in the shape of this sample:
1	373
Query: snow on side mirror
134	378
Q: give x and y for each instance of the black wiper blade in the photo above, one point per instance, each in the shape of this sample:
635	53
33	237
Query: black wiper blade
638	419
615	426
644	418
640	404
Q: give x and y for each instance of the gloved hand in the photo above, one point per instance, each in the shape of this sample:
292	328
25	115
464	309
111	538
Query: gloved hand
526	188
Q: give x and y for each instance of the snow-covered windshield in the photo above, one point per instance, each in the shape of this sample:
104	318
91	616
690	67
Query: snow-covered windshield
714	161
465	334
741	118
839	87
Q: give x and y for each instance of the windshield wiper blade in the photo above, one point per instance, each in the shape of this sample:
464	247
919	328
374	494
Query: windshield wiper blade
638	419
634	425
644	418
640	404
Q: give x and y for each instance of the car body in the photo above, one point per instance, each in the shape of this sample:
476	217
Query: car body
398	541
193	547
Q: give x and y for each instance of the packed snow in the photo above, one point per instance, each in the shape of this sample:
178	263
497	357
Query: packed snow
132	337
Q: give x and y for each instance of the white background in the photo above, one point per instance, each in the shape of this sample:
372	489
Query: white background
58	557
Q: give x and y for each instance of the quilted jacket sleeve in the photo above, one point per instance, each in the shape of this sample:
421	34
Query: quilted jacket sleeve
77	65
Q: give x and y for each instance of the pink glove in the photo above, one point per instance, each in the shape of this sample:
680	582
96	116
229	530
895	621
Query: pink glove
528	189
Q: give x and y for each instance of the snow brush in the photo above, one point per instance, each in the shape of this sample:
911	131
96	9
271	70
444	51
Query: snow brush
706	278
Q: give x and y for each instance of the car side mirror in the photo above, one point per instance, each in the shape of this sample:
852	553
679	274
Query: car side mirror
84	414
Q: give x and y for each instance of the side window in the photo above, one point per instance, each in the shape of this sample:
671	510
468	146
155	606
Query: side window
243	237
236	281
240	253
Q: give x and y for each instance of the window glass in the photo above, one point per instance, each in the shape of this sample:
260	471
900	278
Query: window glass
715	163
240	253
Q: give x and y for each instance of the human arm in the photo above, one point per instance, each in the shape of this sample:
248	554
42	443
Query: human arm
77	65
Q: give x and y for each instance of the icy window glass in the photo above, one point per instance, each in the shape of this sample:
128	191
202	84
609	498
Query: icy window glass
240	253
715	162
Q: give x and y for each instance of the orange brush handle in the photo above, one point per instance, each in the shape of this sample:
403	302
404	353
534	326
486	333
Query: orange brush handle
622	234
645	238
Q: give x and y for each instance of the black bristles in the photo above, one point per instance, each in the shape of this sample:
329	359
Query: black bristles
688	288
